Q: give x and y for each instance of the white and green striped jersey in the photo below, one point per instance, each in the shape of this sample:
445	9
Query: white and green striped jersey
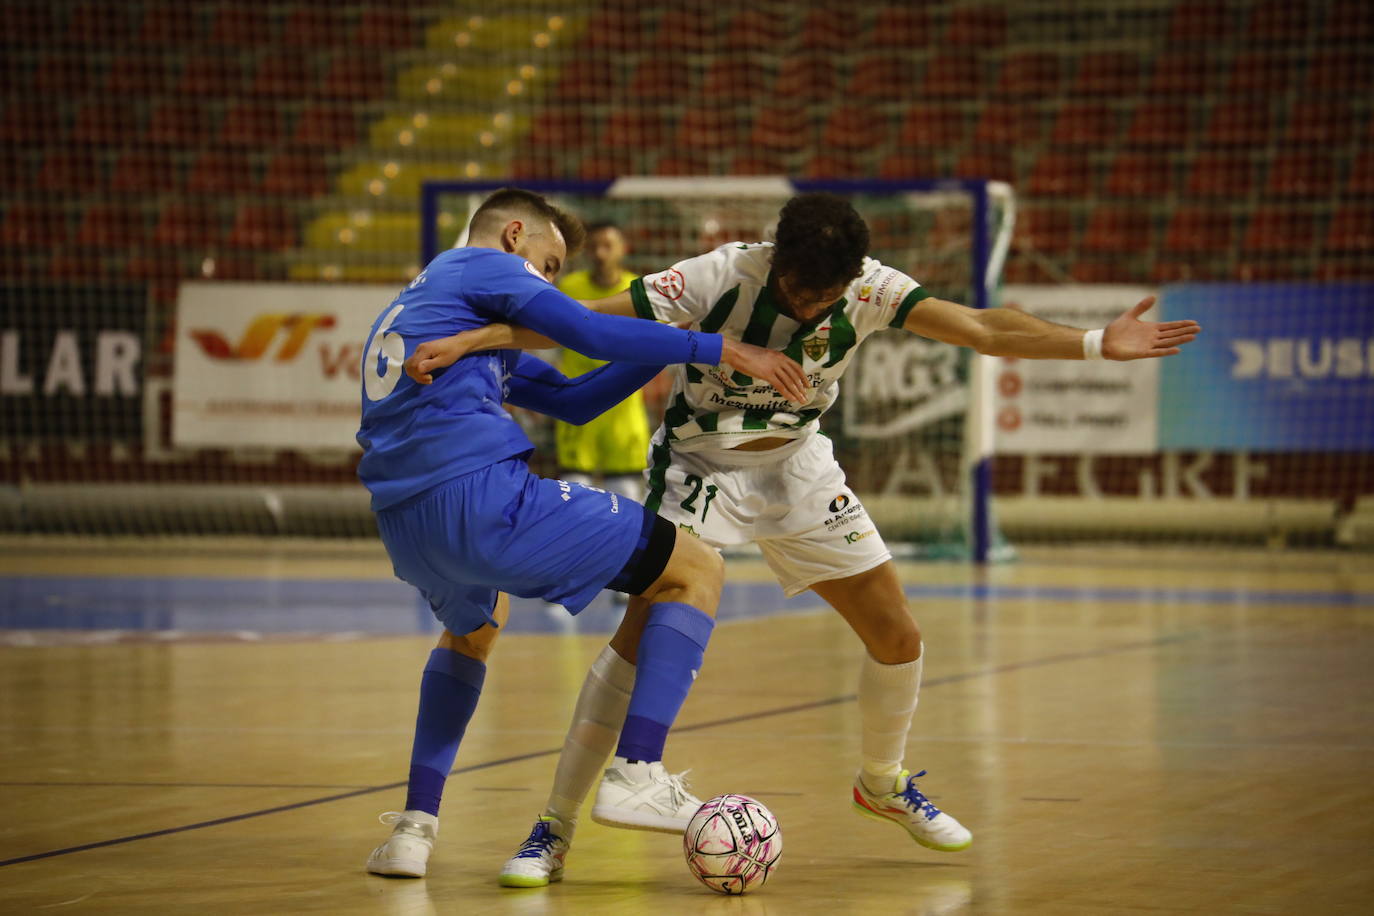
727	291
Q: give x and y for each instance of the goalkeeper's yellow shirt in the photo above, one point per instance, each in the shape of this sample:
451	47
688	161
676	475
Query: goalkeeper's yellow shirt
617	442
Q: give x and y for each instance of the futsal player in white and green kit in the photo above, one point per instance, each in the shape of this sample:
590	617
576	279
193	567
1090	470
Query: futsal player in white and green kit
734	463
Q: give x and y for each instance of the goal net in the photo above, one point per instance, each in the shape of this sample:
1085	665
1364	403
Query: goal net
907	427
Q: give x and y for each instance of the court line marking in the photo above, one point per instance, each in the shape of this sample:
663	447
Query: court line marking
535	755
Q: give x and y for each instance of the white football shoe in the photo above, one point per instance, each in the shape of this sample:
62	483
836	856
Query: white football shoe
906	807
405	854
539	860
644	796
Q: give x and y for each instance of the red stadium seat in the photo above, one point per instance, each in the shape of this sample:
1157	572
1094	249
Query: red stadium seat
297	175
1198	229
251	125
854	129
752	30
1061	174
1279	230
28	225
934	126
146	171
1280	22
112	226
1239	124
1361	181
1109	73
684	164
587	79
833	165
1262	72
1159	124
1029	74
882	77
708	130
261	227
1328	122
351	76
661	79
1109	270
97	24
607	165
1135	174
756	162
30	121
187	225
830	29
62	74
1302	174
1117	231
1016	123
179	124
617	31
561	129
1221	174
633	129
174	24
210	75
217	172
1084	124
285	76
1184	73
785	129
953	76
313	27
1200	21
976	27
1341	71
693	31
1046	229
806	78
902	28
994	164
387	28
907	165
732	79
71	170
1349	20
541	163
326	127
106	123
1352	229
133	75
243	25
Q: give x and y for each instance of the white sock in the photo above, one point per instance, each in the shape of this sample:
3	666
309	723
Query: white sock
591	738
887	701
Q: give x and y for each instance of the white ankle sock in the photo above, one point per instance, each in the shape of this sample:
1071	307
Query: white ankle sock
887	702
591	738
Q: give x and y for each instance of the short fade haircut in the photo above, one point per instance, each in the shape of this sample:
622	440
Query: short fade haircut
821	241
512	203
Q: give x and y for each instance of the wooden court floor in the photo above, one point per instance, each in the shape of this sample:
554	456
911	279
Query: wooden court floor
1123	730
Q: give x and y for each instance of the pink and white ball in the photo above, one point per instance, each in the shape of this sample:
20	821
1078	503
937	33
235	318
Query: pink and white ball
732	844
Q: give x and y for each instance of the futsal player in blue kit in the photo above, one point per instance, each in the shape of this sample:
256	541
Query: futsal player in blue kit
465	521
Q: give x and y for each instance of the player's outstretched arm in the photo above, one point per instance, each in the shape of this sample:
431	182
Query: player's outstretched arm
536	385
1009	332
433	355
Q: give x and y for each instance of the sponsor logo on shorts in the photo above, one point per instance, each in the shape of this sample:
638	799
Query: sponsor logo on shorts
846	512
838	503
853	536
671	284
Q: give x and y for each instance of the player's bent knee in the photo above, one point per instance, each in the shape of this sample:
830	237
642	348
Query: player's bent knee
694	575
477	644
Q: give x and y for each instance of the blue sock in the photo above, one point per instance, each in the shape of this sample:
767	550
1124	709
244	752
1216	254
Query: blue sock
670	654
449	689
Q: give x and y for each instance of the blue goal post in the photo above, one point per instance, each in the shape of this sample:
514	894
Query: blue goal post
986	215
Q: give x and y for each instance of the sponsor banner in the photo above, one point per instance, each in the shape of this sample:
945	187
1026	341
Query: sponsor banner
71	361
271	364
1278	367
1058	406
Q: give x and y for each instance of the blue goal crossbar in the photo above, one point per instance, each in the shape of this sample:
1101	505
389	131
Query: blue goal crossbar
986	263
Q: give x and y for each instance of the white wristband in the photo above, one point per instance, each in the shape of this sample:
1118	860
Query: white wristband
1092	344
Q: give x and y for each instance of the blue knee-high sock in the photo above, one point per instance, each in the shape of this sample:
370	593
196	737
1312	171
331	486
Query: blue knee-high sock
449	689
670	654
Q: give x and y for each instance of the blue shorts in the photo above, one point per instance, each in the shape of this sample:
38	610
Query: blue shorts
501	528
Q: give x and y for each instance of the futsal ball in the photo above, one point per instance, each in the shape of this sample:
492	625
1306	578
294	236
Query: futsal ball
732	844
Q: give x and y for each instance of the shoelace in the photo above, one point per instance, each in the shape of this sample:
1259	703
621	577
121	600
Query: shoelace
405	824
918	802
678	783
541	839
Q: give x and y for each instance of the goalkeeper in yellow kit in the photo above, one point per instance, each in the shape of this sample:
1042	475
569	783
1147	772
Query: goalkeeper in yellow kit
610	450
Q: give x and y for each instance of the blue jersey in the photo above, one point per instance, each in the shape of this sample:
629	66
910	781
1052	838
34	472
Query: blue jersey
414	436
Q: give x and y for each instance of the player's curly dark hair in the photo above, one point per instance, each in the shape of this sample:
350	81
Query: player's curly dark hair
507	201
821	241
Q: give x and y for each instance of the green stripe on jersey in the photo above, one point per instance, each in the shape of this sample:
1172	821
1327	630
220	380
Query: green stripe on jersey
694	375
661	454
715	319
760	327
913	297
842	338
643	307
678	414
757	418
708	422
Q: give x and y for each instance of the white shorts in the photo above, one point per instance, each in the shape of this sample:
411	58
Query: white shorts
792	501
